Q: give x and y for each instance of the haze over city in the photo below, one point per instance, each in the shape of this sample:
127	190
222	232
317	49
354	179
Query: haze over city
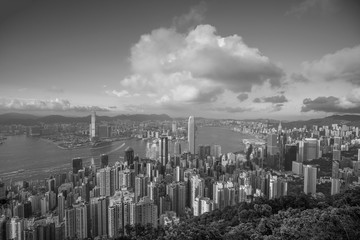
235	59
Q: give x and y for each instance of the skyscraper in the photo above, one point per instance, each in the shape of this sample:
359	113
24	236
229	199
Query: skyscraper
191	134
164	150
77	165
93	127
104	160
272	144
129	156
290	156
310	179
311	149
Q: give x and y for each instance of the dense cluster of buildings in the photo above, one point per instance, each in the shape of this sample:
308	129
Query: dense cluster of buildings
101	200
294	150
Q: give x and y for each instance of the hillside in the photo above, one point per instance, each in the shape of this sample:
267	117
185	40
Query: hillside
288	217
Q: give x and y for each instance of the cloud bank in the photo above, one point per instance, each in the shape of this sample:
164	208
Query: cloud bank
347	104
196	67
343	65
44	105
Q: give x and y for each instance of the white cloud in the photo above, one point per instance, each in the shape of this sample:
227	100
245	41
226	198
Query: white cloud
43	105
197	66
345	104
343	65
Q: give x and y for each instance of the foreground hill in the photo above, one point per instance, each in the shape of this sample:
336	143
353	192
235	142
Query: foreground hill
289	217
28	120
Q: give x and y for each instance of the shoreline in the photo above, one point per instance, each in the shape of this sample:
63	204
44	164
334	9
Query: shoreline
61	146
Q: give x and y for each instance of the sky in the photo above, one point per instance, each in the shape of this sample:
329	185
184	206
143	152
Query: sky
281	59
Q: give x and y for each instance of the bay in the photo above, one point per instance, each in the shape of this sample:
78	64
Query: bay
37	158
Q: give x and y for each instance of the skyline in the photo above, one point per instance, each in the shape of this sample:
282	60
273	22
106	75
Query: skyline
284	60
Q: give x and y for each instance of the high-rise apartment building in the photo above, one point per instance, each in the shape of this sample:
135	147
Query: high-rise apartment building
82	220
217	151
70	223
310	173
116	222
335	186
106	182
146	212
141	183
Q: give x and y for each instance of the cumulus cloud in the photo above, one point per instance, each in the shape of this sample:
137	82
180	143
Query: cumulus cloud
343	65
323	6
272	99
347	104
242	97
196	66
44	105
275	99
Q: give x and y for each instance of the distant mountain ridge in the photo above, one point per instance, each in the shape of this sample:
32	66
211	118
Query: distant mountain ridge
28	119
353	120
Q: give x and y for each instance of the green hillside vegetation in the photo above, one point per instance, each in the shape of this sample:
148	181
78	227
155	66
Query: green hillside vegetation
288	217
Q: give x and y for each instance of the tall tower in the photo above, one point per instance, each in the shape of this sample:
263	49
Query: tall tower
93	121
191	134
164	150
129	156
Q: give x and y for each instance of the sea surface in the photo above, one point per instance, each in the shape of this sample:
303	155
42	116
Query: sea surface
26	158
